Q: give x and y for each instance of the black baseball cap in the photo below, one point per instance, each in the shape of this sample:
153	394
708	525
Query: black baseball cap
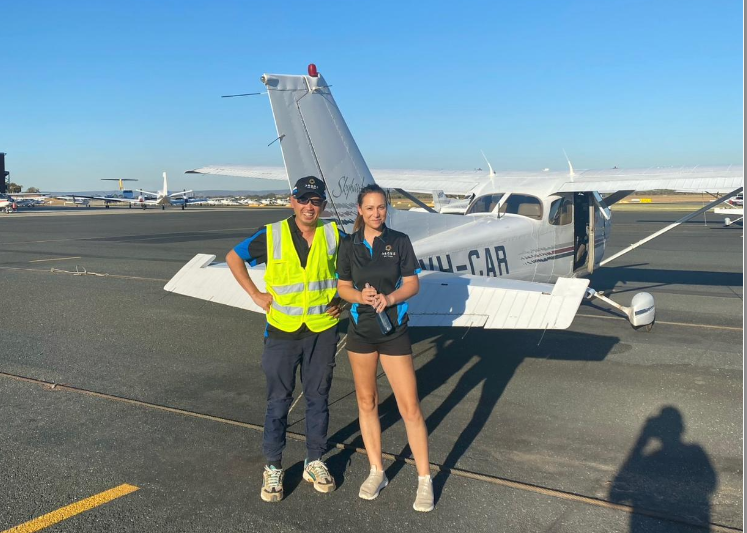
309	185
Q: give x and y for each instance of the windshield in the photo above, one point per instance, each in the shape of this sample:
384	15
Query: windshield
485	204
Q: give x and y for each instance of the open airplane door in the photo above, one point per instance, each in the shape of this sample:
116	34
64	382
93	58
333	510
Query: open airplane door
556	247
599	226
591	227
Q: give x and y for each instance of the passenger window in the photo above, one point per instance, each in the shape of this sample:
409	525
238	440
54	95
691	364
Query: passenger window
485	204
561	213
521	204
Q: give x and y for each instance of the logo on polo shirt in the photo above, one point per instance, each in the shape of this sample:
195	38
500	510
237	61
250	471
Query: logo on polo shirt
388	252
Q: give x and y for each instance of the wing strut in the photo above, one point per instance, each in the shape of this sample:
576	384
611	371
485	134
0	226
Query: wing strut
672	226
415	200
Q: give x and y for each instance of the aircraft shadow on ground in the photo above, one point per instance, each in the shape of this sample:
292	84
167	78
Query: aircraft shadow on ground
487	361
609	278
663	475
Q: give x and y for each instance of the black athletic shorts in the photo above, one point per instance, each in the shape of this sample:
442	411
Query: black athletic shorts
399	345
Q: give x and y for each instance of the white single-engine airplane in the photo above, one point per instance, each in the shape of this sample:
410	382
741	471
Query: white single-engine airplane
511	262
735	209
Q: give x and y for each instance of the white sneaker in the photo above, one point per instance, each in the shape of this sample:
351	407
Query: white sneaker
272	484
316	472
424	496
375	481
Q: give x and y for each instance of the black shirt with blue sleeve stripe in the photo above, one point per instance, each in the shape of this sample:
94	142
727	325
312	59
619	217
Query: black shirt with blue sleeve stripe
382	266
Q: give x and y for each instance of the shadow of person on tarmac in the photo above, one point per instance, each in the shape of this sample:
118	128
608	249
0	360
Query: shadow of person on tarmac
663	474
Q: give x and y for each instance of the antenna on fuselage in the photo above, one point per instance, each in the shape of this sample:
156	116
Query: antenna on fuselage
571	173
492	173
243	94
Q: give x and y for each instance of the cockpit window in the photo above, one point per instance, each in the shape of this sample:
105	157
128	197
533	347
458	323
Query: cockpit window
561	212
524	205
515	204
485	204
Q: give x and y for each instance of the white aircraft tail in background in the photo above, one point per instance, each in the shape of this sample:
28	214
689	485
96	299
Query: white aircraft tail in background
163	198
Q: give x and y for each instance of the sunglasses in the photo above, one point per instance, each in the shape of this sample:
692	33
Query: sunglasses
316	202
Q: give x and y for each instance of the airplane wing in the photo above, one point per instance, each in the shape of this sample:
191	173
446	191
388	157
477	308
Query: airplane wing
133	201
445	299
461	182
264	173
697	179
30	195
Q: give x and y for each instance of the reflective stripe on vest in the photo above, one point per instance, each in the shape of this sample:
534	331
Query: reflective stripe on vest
287	309
277	240
330	235
288	289
322	285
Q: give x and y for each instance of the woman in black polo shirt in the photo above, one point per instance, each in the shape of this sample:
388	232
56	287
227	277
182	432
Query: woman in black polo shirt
377	272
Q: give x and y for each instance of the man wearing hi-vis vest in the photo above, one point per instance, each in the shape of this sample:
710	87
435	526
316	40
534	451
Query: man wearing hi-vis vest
302	314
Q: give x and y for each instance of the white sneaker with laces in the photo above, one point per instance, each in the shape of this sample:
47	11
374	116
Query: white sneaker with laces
272	484
375	481
424	496
316	472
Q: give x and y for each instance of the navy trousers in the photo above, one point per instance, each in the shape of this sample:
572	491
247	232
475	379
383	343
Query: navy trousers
280	359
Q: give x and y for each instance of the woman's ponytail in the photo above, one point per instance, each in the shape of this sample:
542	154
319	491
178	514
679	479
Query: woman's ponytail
358	223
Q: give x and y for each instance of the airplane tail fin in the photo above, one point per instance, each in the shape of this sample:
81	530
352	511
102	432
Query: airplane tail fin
165	185
315	141
439	200
120	180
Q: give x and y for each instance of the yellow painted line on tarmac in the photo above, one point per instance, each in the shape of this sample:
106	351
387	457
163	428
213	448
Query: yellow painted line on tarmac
684	324
73	509
53	259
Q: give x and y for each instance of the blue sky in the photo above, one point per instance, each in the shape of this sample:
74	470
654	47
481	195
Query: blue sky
114	89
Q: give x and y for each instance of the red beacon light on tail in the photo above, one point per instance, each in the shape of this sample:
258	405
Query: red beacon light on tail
312	70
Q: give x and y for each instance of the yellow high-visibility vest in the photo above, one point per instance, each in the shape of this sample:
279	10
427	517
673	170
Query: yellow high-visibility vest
300	295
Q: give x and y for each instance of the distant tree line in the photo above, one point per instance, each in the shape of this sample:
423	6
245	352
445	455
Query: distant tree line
15	188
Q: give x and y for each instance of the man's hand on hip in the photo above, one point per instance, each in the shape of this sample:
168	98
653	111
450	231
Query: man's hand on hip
264	300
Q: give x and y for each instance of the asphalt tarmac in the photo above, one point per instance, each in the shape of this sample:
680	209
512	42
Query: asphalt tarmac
107	380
